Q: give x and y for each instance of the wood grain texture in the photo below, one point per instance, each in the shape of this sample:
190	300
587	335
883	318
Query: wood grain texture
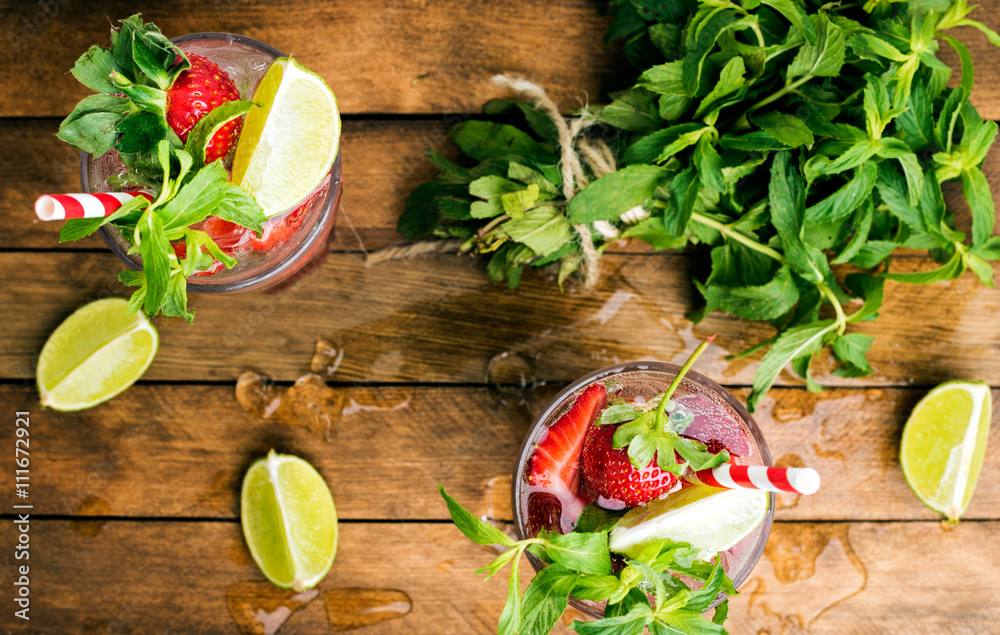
179	456
370	52
383	162
439	320
171	577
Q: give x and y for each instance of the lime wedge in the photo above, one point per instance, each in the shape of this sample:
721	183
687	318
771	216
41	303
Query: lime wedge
710	518
289	521
96	353
944	443
290	137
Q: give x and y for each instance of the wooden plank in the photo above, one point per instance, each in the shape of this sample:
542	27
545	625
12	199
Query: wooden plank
158	451
366	52
437	319
383	162
169	577
383	57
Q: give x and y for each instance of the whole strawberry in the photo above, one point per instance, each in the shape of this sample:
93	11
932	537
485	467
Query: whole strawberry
608	473
150	90
196	92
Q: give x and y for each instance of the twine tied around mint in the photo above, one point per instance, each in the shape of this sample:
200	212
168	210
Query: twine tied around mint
576	152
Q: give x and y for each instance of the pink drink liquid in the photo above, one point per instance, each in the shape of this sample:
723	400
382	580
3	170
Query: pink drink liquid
720	421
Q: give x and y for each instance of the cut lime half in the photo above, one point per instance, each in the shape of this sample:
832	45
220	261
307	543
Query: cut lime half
290	137
710	518
944	443
95	354
289	521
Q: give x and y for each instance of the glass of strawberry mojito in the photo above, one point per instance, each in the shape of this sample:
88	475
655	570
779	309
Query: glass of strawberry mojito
574	467
227	67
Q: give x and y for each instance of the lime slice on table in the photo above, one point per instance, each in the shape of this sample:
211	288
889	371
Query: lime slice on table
710	518
96	353
290	137
289	521
944	443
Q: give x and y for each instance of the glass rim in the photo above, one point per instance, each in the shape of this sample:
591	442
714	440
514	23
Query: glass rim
610	371
315	232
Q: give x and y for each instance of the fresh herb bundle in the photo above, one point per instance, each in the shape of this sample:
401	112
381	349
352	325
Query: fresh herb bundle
845	109
579	565
131	113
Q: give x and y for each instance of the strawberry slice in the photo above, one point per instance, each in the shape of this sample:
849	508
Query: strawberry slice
554	466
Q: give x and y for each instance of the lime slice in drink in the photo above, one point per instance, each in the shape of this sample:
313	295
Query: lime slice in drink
289	521
98	352
290	137
944	443
710	518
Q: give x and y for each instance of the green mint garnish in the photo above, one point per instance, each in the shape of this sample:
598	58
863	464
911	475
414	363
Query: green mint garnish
579	566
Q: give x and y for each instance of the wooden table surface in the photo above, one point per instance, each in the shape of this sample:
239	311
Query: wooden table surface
135	526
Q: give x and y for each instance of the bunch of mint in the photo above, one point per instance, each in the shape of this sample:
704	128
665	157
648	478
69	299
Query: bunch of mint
578	565
785	135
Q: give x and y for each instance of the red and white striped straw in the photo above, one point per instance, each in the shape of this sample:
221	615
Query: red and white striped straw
794	480
67	206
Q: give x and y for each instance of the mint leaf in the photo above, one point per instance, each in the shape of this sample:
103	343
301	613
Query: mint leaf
825	57
852	348
847	198
241	208
795	14
140	131
610	196
82	227
753	302
595	588
634	110
632	623
652	231
198	198
595	518
491	189
543	229
510	617
476	530
977	192
788	130
683	190
540	123
545	599
585	553
154	249
488	140
950	270
793	343
700	41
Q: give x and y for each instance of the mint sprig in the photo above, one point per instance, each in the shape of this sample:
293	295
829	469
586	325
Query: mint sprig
649	433
188	198
579	566
782	137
